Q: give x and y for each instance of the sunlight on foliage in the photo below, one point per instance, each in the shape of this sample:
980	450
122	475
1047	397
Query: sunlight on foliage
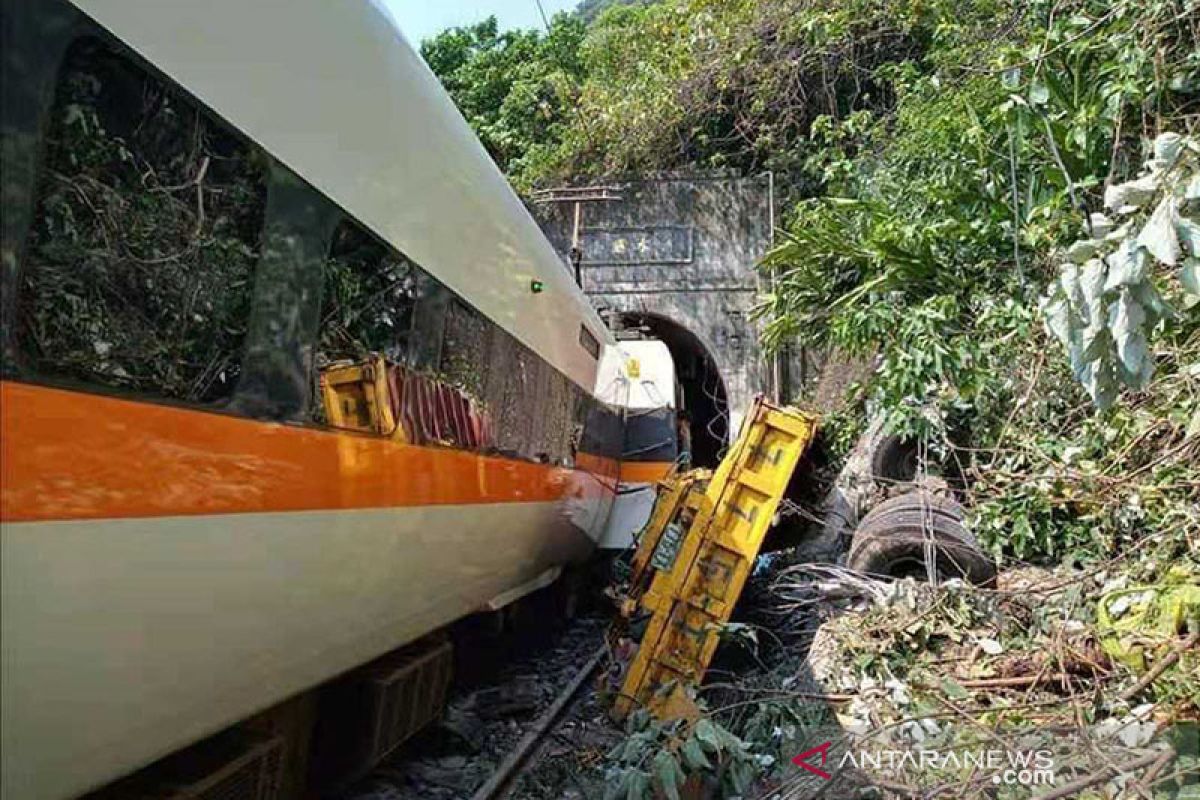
1104	306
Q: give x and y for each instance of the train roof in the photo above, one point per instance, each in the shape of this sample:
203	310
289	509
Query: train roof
335	92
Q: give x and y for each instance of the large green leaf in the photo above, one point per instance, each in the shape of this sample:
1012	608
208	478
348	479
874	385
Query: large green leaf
693	755
1158	236
1127	265
1189	235
670	776
1091	286
1189	276
638	787
1126	322
1058	317
707	734
1125	198
1167	147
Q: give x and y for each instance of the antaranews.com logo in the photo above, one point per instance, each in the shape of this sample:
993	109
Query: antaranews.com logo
1008	767
1034	766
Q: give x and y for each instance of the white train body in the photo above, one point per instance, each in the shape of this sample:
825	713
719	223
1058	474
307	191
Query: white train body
171	566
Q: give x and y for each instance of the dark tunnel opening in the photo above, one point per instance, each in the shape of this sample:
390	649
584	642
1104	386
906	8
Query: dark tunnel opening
700	384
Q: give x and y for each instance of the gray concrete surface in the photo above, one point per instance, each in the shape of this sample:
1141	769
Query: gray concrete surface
683	249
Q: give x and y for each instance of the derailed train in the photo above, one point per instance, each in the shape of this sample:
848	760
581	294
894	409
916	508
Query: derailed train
211	210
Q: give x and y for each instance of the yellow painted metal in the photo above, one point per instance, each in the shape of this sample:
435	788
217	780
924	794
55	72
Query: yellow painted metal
724	518
668	510
356	397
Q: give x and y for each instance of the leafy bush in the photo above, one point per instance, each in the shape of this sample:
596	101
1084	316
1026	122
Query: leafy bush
951	207
945	151
1104	307
515	88
658	757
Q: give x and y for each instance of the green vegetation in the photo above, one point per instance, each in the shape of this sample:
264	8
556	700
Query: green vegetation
949	214
515	88
941	158
997	200
588	10
145	208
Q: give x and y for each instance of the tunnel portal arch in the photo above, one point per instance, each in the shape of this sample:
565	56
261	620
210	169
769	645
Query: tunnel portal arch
702	392
682	249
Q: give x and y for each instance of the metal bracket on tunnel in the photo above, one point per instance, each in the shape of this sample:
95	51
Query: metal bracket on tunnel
724	517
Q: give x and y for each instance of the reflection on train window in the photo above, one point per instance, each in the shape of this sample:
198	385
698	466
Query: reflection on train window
589	342
140	259
369	301
466	344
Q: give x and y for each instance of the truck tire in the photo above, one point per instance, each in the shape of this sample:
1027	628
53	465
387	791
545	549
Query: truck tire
919	501
919	522
893	544
894	460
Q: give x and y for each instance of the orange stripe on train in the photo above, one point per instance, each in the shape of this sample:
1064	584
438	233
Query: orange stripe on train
72	455
645	471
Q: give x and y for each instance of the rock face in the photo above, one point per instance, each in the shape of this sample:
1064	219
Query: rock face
683	248
851	496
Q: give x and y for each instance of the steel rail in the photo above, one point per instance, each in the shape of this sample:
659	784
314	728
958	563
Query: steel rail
516	763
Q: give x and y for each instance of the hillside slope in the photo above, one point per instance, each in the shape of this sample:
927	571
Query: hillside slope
998	202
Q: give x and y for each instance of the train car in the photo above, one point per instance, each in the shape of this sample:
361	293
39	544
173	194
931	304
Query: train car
651	439
290	376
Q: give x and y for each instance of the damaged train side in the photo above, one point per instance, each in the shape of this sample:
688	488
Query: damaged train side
291	377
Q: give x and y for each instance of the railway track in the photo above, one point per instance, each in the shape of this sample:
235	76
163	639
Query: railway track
533	728
505	777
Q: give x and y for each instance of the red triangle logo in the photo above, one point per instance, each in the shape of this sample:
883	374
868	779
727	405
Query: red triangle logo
802	759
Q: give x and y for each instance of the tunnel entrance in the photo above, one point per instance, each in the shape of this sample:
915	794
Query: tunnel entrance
701	392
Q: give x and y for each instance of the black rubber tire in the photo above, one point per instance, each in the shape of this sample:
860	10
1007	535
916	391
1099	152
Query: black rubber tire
894	460
894	546
921	501
919	522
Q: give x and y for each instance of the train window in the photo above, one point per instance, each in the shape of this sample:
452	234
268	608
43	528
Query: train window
370	299
465	345
589	342
140	258
277	381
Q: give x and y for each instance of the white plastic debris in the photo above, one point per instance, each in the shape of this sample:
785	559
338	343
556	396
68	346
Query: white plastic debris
991	647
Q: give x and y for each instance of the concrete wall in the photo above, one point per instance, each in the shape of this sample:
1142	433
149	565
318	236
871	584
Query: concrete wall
683	248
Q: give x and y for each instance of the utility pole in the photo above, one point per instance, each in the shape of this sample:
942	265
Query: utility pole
577	195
